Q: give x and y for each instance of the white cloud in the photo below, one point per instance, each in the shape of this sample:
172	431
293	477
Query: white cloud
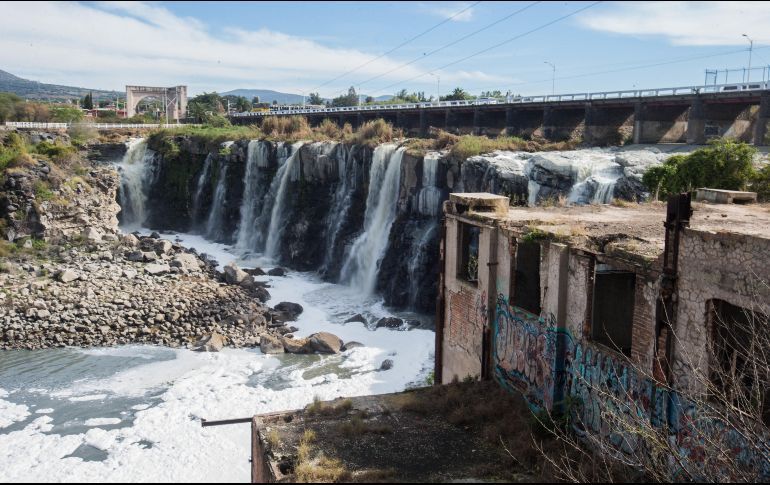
110	44
451	11
686	23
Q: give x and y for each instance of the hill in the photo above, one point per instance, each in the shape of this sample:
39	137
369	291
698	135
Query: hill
55	92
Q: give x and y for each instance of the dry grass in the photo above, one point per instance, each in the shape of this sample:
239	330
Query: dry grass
358	425
273	439
287	127
317	407
374	132
312	469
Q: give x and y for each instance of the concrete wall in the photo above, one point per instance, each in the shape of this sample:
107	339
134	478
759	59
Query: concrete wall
728	267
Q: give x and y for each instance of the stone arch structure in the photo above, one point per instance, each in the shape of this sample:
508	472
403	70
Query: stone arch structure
174	99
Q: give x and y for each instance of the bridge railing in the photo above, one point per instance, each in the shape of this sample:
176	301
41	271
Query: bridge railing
98	126
547	98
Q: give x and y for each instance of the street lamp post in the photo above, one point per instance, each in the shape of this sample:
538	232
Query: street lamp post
553	77
751	48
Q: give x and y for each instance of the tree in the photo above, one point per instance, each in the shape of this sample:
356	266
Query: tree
255	100
351	99
8	102
369	100
459	94
315	98
88	101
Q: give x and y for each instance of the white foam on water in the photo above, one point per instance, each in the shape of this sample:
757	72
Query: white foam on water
11	413
233	383
102	421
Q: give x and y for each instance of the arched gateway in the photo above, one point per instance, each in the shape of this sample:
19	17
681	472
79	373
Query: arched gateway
174	99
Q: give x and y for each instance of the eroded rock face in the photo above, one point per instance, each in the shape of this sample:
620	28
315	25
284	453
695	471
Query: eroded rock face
297	346
271	345
211	343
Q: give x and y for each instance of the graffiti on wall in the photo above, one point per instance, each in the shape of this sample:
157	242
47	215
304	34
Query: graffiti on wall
608	399
524	353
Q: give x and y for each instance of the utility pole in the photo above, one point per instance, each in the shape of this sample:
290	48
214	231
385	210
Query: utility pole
553	78
751	48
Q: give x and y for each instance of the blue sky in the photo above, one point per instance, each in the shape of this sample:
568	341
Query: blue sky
303	46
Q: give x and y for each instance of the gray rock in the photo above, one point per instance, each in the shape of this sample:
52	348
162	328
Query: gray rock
390	322
234	275
270	345
352	345
387	364
157	269
261	294
277	272
186	261
212	343
325	343
291	310
356	318
135	256
130	240
255	272
68	276
162	246
91	234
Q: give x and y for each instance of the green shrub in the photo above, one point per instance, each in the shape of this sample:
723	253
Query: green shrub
43	191
760	183
724	164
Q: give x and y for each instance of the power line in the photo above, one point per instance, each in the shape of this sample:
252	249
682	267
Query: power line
499	44
451	43
400	45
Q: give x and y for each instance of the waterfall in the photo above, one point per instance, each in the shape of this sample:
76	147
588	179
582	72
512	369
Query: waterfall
343	195
360	268
258	156
595	180
203	179
420	250
288	172
136	178
217	213
429	198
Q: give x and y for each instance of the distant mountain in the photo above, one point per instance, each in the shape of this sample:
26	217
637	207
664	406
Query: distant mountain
266	95
34	90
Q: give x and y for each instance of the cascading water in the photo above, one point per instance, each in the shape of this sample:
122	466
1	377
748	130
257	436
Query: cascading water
360	268
289	172
136	178
430	196
258	155
421	257
203	179
595	180
214	222
343	195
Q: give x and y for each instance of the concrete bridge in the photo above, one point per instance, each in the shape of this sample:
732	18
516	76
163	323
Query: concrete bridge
667	115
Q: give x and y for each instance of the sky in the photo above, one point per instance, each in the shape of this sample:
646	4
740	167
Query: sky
383	47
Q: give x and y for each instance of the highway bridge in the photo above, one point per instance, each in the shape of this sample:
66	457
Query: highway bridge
690	114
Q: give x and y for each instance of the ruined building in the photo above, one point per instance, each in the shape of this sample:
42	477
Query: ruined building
609	311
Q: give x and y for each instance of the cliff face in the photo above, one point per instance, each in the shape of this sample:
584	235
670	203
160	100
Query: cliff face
312	206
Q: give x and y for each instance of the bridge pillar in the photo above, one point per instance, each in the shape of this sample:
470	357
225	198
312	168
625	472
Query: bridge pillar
341	121
639	110
423	122
589	131
763	118
478	121
399	119
696	123
449	120
510	129
359	119
548	122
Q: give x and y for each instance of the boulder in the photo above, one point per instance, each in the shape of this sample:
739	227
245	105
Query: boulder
68	276
261	294
186	261
297	346
211	343
277	272
162	246
255	272
325	343
157	269
352	345
234	275
390	322
292	310
356	318
135	256
270	345
387	364
129	273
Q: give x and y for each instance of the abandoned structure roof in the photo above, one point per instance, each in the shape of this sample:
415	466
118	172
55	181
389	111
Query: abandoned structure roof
634	229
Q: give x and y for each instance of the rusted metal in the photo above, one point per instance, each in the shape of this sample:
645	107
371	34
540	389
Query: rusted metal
205	423
258	463
440	308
